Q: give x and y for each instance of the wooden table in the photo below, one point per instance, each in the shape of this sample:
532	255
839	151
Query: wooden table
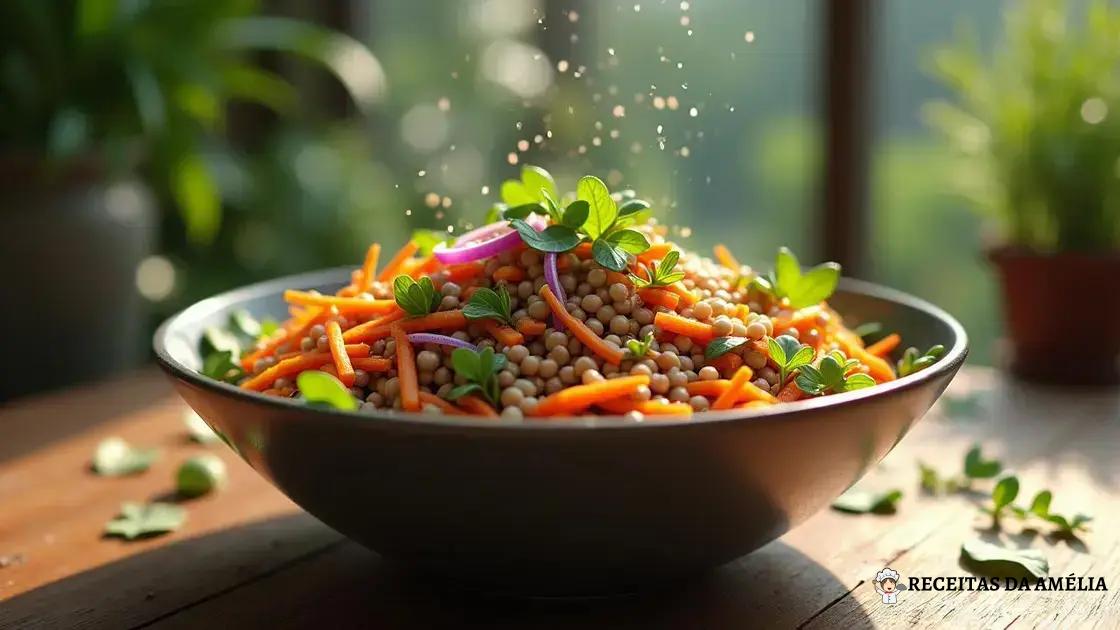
247	557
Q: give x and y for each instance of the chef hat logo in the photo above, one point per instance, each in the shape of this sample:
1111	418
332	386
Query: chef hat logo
885	574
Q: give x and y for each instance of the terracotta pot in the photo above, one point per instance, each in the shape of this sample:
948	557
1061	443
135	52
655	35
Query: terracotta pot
1062	313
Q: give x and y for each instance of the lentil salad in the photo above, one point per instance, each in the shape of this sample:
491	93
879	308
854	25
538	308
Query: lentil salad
561	306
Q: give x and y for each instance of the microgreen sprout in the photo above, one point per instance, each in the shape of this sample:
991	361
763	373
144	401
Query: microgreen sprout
640	348
415	297
914	360
801	288
789	354
832	376
480	369
661	274
493	303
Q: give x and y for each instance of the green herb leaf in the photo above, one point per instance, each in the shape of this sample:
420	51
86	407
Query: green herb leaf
608	255
629	241
933	483
632	206
462	390
486	302
243	322
115	457
976	467
217	339
992	560
554	238
639	349
199	475
913	360
1068	527
1040	505
220	366
575	215
535	179
1003	493
829	376
867	329
198	429
802	289
523	211
515	194
661	274
856	381
466	363
319	388
426	240
789	354
417	298
138	520
722	345
269	327
602	208
862	502
480	369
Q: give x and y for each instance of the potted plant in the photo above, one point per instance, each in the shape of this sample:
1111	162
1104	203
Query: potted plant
107	107
1037	125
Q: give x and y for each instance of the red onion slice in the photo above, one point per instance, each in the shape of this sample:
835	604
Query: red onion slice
443	340
553	279
484	242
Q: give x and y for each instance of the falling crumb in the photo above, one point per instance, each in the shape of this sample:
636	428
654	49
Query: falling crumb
450	229
408	212
749	36
610	51
486	190
637	8
693	112
562	65
582	149
636	147
686	232
431	200
421	173
573	16
614	134
446	202
444	104
685	20
522	145
511	158
685	152
684	6
673	103
538	138
658	102
660	128
680	65
597	141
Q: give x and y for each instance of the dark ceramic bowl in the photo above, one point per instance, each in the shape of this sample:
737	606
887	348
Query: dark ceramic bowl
563	505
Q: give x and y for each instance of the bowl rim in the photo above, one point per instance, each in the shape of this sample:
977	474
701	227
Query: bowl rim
948	365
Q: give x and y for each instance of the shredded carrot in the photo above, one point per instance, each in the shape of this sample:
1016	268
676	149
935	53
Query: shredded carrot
710	389
440	320
659	297
286	368
687	297
753	392
614	277
347	305
738	383
803	320
476	406
371	364
725	258
415	268
727	363
531	327
656	251
580	397
369	268
697	331
293	331
338	354
353	350
359	332
648	407
609	353
885	346
878	368
428	398
406	369
504	334
582	251
466	271
790	392
394	266
508	273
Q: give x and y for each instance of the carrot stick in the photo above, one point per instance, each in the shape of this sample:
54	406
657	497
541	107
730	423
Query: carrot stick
428	398
349	305
614	277
587	336
659	297
697	331
504	334
725	258
466	271
476	406
656	251
509	273
292	331
727	363
728	398
369	268
790	392
648	407
711	389
753	392
338	354
582	251
687	297
879	369
440	320
394	265
371	364
580	397
353	350
286	368
885	346
406	369
356	333
530	327
803	320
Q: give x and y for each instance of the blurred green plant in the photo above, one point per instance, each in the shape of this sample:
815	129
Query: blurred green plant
130	82
1038	124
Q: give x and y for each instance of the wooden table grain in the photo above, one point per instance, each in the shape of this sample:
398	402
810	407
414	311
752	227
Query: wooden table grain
248	557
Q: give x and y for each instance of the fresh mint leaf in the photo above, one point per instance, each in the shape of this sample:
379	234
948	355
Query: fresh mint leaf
856	381
984	558
321	389
661	274
609	256
462	390
575	215
515	194
602	210
486	302
629	241
789	354
535	179
554	238
138	520
1040	505
976	467
220	366
199	475
639	349
632	206
800	288
1003	493
829	376
217	339
115	457
466	364
862	502
480	369
913	360
722	345
415	297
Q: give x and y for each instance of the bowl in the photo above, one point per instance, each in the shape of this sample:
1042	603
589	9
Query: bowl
563	505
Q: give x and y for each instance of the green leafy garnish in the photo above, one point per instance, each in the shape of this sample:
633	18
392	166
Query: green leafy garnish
217	339
115	457
486	302
867	329
913	360
1069	527
789	354
269	327
639	349
554	238
829	376
322	389
1003	493
933	482
243	322
662	274
987	559
722	345
198	429
146	519
426	240
800	288
976	467
220	366
1040	507
862	502
416	298
199	475
528	191
480	369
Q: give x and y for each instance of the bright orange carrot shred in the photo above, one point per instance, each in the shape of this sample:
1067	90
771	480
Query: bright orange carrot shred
648	407
656	251
885	346
614	277
879	369
531	327
671	322
727	363
711	389
371	364
476	406
292	331
725	258
369	267
428	398
688	297
508	273
504	334
659	297
358	332
406	369
790	392
609	353
731	396
287	368
464	272
353	350
338	354
348	305
394	266
578	398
